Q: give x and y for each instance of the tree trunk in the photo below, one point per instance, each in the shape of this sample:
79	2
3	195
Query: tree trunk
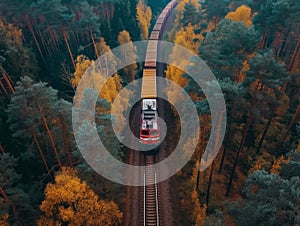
280	53
29	25
2	149
7	80
13	207
290	126
49	135
44	43
265	131
64	130
56	40
226	144
294	56
3	88
238	153
69	49
227	140
262	42
11	88
40	151
201	149
95	47
209	182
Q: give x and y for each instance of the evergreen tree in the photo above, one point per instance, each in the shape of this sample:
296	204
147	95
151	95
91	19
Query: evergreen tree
33	112
269	200
15	205
225	56
16	59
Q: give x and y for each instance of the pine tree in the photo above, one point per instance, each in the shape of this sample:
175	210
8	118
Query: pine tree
14	202
16	59
225	57
32	112
269	200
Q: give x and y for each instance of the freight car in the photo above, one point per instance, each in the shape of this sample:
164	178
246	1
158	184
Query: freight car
149	123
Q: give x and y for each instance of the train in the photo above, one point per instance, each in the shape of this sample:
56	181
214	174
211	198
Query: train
149	119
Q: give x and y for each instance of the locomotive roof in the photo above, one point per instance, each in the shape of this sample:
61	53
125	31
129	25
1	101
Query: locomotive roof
149	119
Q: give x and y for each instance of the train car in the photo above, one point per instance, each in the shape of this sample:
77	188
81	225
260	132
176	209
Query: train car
149	124
155	35
157	27
149	84
160	20
151	54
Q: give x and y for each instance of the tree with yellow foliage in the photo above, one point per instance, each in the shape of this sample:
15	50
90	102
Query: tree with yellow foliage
81	65
128	55
144	15
70	201
107	64
112	85
242	13
187	38
108	61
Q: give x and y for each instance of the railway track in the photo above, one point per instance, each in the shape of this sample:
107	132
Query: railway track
150	193
150	204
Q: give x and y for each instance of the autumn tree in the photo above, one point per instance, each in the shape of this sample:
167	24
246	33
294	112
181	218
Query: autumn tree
242	13
108	63
184	37
16	59
278	164
112	85
129	54
82	64
144	15
70	200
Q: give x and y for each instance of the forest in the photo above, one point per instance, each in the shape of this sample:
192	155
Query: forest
251	46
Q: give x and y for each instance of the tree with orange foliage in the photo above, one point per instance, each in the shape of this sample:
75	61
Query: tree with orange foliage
242	13
70	201
277	165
